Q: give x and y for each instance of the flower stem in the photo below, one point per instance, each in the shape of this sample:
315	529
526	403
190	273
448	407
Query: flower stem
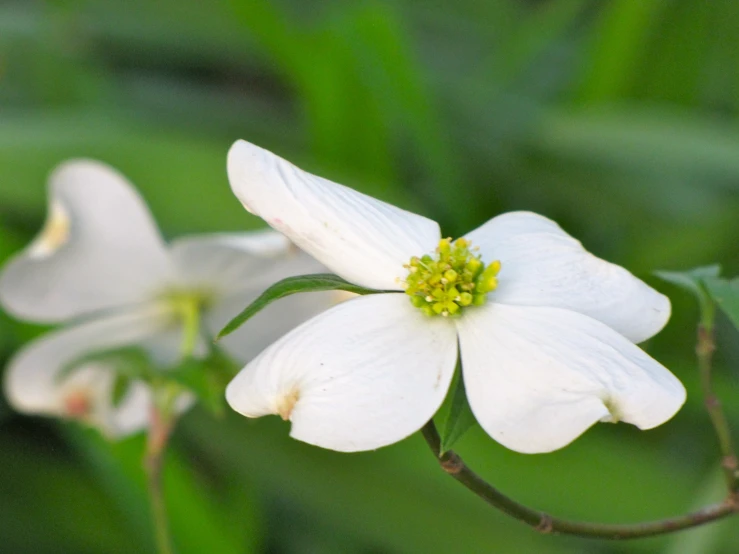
190	314
545	523
704	349
161	426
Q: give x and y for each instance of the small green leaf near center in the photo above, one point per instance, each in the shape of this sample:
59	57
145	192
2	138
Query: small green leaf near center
292	285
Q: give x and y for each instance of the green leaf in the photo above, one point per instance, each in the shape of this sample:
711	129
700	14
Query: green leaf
691	280
292	285
618	47
726	294
201	518
206	378
121	386
459	419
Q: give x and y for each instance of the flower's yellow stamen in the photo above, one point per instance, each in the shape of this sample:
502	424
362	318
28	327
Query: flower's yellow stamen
451	280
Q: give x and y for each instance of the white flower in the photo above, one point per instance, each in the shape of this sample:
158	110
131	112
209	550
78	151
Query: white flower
101	265
550	351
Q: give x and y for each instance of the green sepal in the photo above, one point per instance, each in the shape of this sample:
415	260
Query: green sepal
725	293
459	417
292	285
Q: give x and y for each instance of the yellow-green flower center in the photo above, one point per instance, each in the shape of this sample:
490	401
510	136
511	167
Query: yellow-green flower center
451	279
187	306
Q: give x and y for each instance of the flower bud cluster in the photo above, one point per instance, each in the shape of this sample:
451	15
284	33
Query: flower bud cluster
453	279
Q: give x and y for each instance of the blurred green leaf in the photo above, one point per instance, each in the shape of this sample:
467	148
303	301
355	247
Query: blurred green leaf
206	378
671	64
198	522
545	24
180	175
694	282
129	362
121	387
637	138
618	45
51	505
293	285
705	539
726	294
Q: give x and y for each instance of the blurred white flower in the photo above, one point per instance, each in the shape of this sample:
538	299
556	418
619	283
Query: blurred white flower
545	330
101	266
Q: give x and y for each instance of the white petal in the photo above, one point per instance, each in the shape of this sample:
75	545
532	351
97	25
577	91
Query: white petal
226	263
541	265
235	269
537	378
99	249
365	374
364	240
33	385
96	383
267	326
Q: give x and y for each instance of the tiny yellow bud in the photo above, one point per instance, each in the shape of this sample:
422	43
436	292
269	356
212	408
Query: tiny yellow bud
474	265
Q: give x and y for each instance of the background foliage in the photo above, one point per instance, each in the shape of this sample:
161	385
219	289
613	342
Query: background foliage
616	118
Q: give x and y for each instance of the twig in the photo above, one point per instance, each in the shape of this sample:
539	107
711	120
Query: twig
545	523
704	350
153	460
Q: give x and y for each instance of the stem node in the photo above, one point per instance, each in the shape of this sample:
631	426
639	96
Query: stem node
451	463
730	462
546	525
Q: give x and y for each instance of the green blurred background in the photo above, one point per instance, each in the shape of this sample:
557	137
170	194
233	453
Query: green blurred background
616	118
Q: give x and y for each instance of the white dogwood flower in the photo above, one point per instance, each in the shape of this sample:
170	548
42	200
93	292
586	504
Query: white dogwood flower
546	331
101	266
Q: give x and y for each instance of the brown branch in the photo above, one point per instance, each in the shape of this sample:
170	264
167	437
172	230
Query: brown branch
452	464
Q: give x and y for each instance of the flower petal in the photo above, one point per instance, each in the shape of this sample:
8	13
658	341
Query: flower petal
33	383
268	325
92	385
226	263
235	269
365	374
99	249
541	265
364	240
537	378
